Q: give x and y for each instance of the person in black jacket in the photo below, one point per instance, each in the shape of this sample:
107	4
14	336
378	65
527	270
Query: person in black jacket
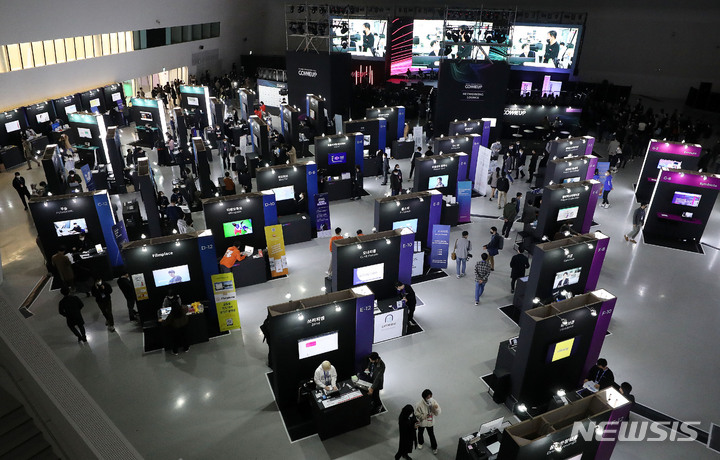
126	286
503	185
518	264
493	246
532	167
407	425
638	220
407	295
416	155
396	181
70	307
18	184
101	290
357	183
601	374
375	374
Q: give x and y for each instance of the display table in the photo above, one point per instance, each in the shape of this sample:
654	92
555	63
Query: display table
348	411
55	135
38	144
450	213
87	155
296	228
390	322
476	446
88	265
402	149
147	135
249	271
156	334
11	156
338	189
372	166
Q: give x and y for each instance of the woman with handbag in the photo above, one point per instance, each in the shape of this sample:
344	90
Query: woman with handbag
460	253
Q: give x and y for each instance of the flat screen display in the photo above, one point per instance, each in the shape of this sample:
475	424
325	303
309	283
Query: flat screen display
237	228
284	193
535	45
568	213
568	180
337	158
70	109
561	350
410	223
70	227
12	126
366	139
146	116
427	37
84	132
43	117
525	88
269	92
364	37
686	199
438	181
171	275
95	102
670	164
193	101
317	345
368	274
116	96
567	277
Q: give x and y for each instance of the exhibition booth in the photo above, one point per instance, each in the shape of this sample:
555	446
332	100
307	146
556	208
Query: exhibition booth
54	169
12	124
40	117
564	148
336	157
570	169
440	172
680	208
145	183
294	187
261	154
394	117
149	118
248	98
316	114
539	122
290	127
195	101
572	204
480	127
66	105
90	132
202	156
93	101
374	131
468	144
664	154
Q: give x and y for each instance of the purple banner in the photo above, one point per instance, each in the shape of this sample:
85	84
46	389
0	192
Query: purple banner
601	327
486	133
592	205
464	197
591	167
675	148
692	179
606	446
406	257
436	202
439	246
474	156
590	145
462	167
364	329
601	246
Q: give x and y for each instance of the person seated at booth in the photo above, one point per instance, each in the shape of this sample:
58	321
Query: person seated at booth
326	377
83	243
74	181
162	202
601	374
177	196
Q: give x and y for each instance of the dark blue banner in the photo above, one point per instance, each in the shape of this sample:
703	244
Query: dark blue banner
107	221
88	176
322	215
439	246
270	209
464	197
121	238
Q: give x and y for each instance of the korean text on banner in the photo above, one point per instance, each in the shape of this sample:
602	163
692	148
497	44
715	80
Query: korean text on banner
226	301
276	250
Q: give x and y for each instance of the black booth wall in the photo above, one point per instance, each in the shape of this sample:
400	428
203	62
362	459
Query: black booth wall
13	137
436	165
412	206
41	108
325	146
686	156
369	127
470	89
114	90
96	95
556	197
328	75
282	176
63	103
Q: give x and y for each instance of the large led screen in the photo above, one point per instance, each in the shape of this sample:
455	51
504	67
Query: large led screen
544	46
363	37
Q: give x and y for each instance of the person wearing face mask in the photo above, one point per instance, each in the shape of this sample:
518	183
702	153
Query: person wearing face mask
425	411
101	290
396	181
83	243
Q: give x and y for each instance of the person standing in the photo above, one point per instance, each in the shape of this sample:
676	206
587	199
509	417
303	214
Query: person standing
357	184
101	290
493	246
416	155
607	188
385	168
70	307
126	287
64	268
520	164
425	411
532	167
407	424
396	181
337	236
463	246
27	150
518	264
638	220
18	184
492	182
503	185
482	274
509	215
407	295
375	371
177	322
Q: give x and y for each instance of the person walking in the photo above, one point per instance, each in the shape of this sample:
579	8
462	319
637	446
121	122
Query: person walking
463	246
532	167
520	164
425	411
357	184
407	295
492	182
415	156
407	424
69	307
375	371
482	274
638	221
64	268
27	150
18	184
385	168
509	215
126	287
607	188
101	290
177	321
503	185
337	236
518	264
493	247
396	181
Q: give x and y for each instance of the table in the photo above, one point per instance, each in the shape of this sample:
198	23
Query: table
249	271
337	189
296	228
38	144
402	149
96	264
11	156
334	416
156	335
449	214
372	166
147	135
475	447
87	155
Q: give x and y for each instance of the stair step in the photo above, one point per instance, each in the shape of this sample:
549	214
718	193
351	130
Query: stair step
29	449
17	436
47	454
7	403
13	419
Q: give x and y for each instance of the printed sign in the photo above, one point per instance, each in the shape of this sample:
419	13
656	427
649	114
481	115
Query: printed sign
276	250
464	197
141	292
322	215
226	301
88	176
439	246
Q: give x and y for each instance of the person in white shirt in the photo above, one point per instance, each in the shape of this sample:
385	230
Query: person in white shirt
425	411
326	376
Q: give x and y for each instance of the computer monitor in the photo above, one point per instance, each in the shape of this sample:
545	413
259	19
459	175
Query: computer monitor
489	426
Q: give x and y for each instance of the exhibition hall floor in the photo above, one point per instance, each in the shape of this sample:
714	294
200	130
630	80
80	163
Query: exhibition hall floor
214	402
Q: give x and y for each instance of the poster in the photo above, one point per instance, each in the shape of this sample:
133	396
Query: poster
418	137
276	250
482	168
141	292
121	238
439	246
226	301
87	175
322	215
464	197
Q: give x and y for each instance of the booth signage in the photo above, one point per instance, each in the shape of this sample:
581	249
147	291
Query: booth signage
388	326
192	89
481	170
464	197
322	215
675	148
276	250
226	301
82	118
88	176
141	292
439	246
142	102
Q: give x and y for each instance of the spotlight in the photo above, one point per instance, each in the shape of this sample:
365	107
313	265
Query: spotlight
599	430
288	295
522	408
177	243
359	246
387	241
174	231
593	312
337	307
143	236
301	317
49	194
565	250
217	194
590	246
323	289
561	393
536	301
397	203
144	248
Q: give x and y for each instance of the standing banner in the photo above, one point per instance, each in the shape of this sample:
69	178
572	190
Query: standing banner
481	170
464	197
418	137
121	238
322	215
141	292
87	175
439	246
276	250
226	301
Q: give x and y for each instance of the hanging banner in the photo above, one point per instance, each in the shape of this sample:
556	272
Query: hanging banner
88	176
322	215
226	301
276	250
439	246
141	292
464	197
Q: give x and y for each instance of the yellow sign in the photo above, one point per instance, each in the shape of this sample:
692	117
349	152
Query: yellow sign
563	349
226	301
276	250
141	292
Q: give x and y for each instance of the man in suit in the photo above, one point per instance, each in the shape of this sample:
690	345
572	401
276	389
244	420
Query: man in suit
18	184
375	372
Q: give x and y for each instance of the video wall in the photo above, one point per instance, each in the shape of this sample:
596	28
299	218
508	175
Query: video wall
544	46
360	37
269	92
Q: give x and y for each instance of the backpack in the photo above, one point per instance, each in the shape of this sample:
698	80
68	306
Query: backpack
501	241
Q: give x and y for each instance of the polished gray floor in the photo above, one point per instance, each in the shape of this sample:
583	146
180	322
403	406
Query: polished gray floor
215	401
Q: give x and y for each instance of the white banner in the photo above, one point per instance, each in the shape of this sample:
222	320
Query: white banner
481	170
